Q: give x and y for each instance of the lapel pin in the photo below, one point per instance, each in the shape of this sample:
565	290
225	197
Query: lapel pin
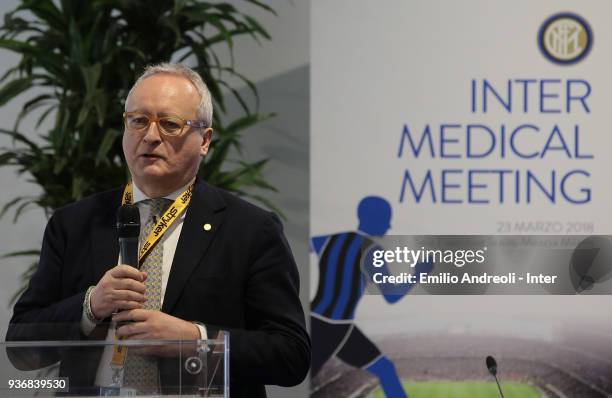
207	227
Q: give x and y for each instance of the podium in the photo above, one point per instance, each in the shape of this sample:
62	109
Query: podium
85	368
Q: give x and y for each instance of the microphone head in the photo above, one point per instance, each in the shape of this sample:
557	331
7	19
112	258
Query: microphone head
491	365
128	221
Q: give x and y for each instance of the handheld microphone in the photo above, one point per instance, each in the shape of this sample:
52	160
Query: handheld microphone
492	366
128	226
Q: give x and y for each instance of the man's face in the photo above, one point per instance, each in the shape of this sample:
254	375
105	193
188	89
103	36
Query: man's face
157	160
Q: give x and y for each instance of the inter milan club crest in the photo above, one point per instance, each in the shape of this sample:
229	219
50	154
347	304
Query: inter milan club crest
565	38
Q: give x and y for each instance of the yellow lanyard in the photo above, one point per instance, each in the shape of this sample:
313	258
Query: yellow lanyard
170	216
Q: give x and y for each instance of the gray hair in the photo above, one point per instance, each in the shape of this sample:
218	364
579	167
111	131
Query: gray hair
205	108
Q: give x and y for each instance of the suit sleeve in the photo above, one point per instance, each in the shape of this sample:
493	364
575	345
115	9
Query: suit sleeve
274	348
42	313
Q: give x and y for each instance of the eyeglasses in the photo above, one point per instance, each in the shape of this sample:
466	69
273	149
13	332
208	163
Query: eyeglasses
172	126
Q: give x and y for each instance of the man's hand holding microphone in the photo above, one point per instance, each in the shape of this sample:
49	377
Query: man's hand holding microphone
121	288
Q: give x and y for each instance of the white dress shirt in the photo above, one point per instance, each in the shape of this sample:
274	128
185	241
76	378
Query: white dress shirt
169	240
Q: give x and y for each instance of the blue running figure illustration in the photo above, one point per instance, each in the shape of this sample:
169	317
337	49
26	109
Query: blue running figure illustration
342	281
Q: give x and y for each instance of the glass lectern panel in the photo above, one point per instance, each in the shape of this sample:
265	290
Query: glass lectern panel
93	368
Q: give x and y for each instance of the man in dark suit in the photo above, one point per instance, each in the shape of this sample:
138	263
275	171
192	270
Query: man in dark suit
221	264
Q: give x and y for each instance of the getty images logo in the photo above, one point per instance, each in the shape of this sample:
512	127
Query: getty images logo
565	38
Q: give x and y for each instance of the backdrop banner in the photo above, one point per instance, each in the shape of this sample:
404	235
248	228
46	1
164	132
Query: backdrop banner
438	119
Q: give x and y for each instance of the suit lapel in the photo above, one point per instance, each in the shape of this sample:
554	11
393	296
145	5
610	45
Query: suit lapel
206	207
104	238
